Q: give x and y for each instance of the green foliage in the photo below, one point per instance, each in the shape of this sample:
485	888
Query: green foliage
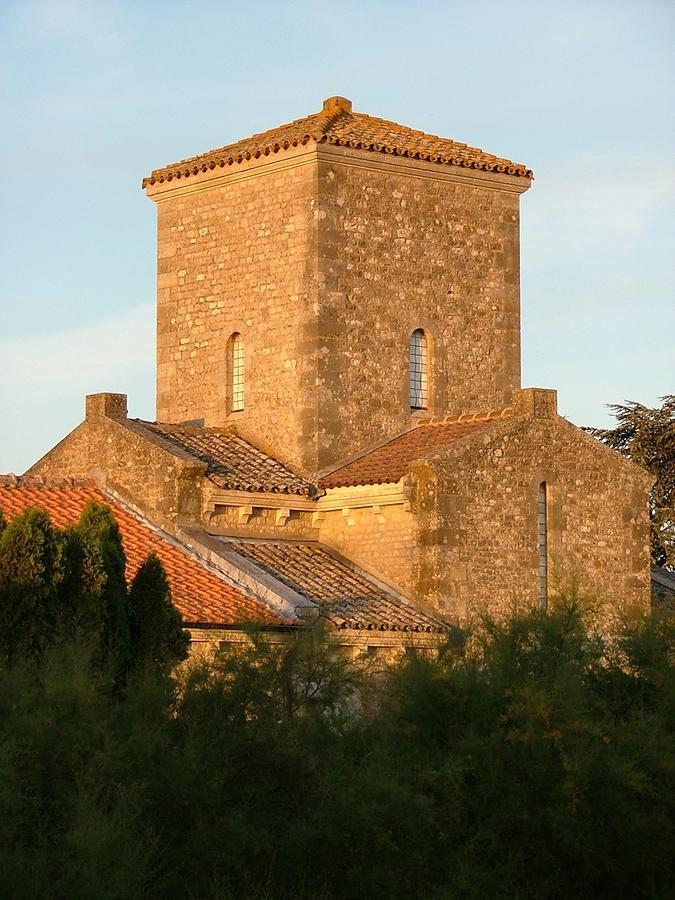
31	571
64	586
647	436
529	758
82	603
97	528
156	632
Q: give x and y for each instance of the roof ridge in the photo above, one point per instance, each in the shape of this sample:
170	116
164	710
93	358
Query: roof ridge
38	481
323	127
466	418
176	541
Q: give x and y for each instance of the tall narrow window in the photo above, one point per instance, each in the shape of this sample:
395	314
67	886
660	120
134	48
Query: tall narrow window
542	545
236	373
419	370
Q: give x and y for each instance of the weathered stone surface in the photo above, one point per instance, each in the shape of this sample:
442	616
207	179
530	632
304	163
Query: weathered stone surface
325	258
325	266
165	486
240	258
476	511
398	252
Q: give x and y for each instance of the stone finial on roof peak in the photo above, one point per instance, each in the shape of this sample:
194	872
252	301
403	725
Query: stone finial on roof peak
336	104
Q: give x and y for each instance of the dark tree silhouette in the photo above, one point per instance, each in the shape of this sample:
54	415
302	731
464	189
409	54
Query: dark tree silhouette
647	436
157	636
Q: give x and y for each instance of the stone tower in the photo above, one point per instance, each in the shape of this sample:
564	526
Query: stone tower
294	266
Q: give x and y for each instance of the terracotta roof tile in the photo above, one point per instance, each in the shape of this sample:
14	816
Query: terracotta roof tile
389	462
199	594
231	461
337	124
347	597
663	584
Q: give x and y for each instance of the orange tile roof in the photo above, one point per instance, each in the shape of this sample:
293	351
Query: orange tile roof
231	461
345	595
389	462
199	594
337	124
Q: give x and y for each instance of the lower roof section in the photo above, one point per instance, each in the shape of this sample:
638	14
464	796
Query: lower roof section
199	591
224	582
390	461
344	594
231	461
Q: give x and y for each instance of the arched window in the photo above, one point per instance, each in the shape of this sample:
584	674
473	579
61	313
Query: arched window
236	372
542	544
419	370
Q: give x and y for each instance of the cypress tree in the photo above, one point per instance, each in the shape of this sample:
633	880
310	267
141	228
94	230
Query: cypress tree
97	528
81	596
31	572
157	636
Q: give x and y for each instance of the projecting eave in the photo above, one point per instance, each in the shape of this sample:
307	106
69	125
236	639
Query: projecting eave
337	132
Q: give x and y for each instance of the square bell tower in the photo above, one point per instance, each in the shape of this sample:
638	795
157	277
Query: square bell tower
323	284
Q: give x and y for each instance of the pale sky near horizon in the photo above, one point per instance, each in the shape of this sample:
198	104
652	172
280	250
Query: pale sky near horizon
95	94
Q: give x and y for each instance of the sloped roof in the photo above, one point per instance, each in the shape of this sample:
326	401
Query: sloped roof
231	461
345	596
663	585
199	594
336	124
389	462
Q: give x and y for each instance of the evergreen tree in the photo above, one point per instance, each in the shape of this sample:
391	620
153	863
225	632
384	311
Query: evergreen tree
157	635
97	528
31	572
81	596
647	436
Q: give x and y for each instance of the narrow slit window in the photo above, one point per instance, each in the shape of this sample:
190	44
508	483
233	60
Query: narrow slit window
237	370
419	370
542	545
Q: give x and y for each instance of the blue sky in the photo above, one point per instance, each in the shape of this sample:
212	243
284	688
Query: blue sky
95	94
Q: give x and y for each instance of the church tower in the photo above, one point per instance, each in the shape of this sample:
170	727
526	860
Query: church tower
325	283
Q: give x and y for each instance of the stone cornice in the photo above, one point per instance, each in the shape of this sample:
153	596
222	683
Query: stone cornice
313	154
292	158
418	168
361	496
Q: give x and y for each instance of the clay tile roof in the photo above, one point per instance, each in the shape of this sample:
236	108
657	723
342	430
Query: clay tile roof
199	594
663	585
337	124
231	461
389	462
345	596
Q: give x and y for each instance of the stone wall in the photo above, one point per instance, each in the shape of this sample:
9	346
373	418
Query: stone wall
325	261
240	256
162	485
382	542
403	247
477	510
